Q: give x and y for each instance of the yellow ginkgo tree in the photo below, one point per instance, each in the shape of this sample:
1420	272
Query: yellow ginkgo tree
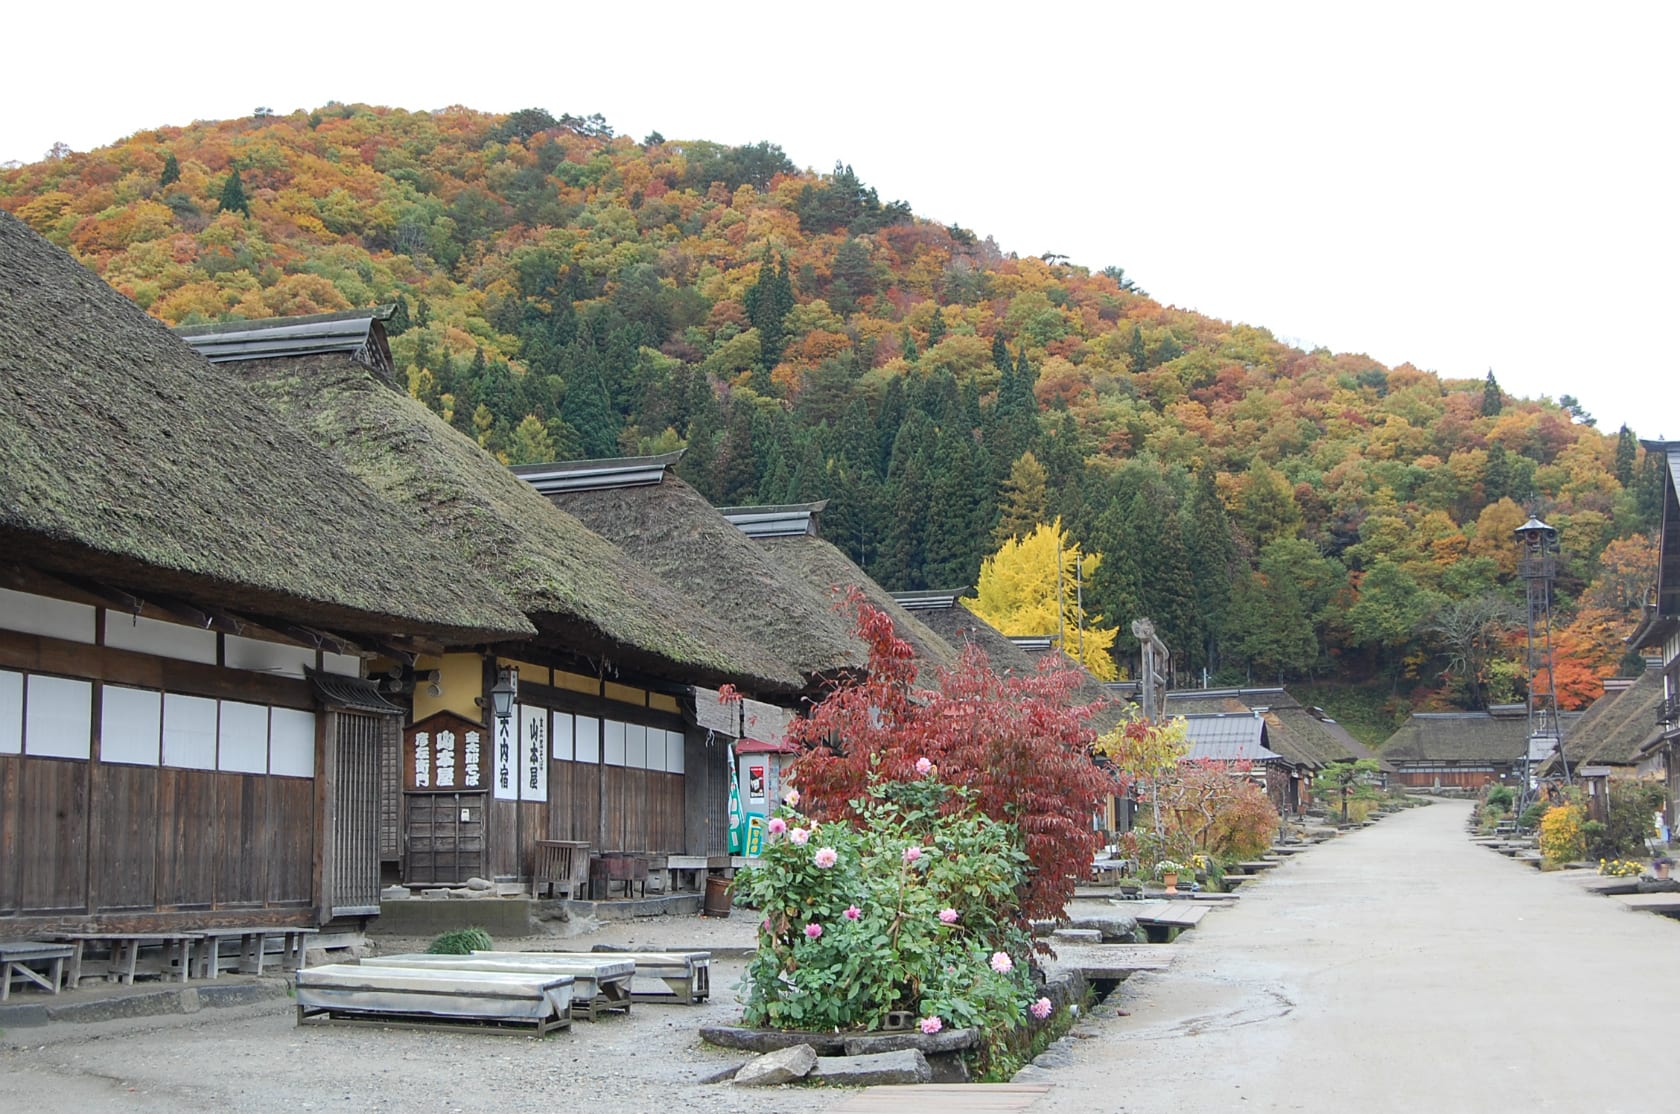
1029	586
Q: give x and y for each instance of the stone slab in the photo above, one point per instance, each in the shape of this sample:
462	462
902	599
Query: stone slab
769	1040
946	1040
882	1069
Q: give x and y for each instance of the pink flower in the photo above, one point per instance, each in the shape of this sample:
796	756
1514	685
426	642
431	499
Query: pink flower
949	916
798	836
1041	1008
1001	963
853	912
812	931
826	857
777	825
766	925
923	766
932	1025
791	798
911	854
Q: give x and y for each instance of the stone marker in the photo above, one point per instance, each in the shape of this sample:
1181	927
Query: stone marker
907	1065
781	1066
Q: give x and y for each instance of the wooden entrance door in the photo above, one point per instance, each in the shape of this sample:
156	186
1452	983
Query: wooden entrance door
445	838
353	843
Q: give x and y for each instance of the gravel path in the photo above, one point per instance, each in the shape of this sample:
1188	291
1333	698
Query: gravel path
1399	968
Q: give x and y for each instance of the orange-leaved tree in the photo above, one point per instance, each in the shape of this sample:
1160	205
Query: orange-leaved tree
1018	744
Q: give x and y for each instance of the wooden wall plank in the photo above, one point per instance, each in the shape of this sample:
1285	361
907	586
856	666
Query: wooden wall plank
187	830
11	769
503	836
125	842
291	812
52	835
128	667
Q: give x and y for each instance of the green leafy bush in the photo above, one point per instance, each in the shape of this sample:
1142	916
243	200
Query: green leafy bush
901	909
461	941
1501	797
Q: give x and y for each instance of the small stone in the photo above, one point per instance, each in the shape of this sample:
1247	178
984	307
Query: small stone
394	893
1078	935
722	1075
439	894
480	884
782	1066
907	1065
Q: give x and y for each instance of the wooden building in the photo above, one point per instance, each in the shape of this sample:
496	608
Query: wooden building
188	588
603	746
1305	739
1464	750
1659	630
672	533
1614	735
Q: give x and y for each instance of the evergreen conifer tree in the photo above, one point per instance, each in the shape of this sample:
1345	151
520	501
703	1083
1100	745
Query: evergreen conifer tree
232	198
1492	401
171	171
1627	456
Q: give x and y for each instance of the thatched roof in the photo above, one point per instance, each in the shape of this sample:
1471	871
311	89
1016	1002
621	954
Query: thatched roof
127	460
1618	724
1301	735
832	574
1479	737
584	594
670	531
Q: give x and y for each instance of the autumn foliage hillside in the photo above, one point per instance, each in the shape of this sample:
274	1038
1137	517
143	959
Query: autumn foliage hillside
565	292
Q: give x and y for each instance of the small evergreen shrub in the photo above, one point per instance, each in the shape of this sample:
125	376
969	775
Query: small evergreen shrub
461	941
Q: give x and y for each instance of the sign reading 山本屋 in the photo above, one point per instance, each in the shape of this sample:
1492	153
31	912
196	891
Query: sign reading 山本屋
446	753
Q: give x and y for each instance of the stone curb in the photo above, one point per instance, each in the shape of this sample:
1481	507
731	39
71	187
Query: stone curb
146	1003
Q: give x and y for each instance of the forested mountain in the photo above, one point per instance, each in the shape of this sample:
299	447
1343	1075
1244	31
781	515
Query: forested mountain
563	292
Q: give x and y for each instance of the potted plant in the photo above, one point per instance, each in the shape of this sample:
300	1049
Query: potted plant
1168	871
1661	866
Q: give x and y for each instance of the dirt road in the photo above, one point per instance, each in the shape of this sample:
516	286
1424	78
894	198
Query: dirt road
1399	968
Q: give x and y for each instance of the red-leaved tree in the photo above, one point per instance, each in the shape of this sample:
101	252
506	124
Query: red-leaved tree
1020	744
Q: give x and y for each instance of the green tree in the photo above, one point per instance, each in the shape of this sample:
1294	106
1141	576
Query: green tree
171	171
1492	400
1345	778
1270	627
232	198
1627	456
1213	568
1022	505
767	302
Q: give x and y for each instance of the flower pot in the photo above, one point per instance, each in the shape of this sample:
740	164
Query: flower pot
1662	869
1171	882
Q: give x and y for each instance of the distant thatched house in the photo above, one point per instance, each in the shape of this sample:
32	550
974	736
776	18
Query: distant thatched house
1660	629
1464	750
1304	738
603	746
672	533
187	591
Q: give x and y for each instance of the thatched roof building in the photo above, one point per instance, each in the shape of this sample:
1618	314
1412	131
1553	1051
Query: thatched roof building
581	591
1464	749
127	461
1302	736
1616	728
671	532
789	533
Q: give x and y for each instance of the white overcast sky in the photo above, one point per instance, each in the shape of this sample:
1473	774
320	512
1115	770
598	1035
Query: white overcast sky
1463	186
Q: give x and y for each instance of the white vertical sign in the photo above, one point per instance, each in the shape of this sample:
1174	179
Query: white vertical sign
533	754
506	762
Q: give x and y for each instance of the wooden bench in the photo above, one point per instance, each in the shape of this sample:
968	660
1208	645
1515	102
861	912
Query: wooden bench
365	992
560	864
602	983
617	866
174	959
686	975
253	948
687	871
17	957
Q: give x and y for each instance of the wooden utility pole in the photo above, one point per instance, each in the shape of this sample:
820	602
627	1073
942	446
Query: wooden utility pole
1157	667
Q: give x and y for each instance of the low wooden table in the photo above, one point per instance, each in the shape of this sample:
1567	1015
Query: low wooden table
17	955
253	948
125	952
